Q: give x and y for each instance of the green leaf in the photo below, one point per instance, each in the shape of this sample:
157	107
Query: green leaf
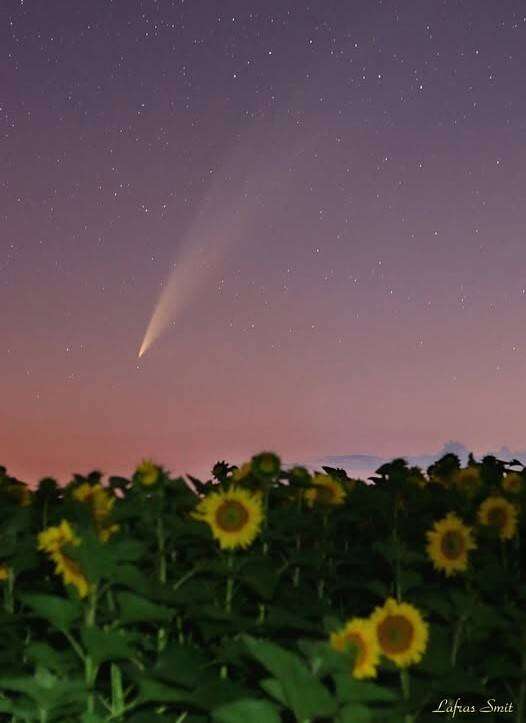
105	645
157	692
249	710
130	576
23	709
181	664
350	690
48	691
281	618
260	576
137	609
436	660
127	550
378	588
151	716
354	714
304	693
60	612
210	696
410	579
273	687
459	683
323	659
43	654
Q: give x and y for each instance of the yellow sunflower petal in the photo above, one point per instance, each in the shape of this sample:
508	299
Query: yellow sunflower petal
4	572
449	543
512	482
325	491
52	540
401	632
234	516
359	634
148	473
501	515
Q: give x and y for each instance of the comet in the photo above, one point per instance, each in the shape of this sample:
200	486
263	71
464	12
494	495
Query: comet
250	184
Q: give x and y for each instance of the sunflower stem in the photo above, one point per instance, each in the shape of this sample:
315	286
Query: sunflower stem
76	647
262	611
117	693
90	669
228	600
456	639
521	702
503	555
406	691
110	600
396	544
9	602
296	577
229	584
161	547
180	631
44	513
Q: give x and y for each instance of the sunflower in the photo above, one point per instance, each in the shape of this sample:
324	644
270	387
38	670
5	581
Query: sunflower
148	473
301	475
21	493
449	543
325	491
439	479
416	477
500	514
266	465
52	540
400	631
4	572
242	473
234	516
101	503
467	480
512	482
359	634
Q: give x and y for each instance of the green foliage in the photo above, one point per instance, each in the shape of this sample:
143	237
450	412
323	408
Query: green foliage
158	624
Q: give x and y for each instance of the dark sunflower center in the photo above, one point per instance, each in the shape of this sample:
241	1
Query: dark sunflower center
231	516
357	644
267	465
452	545
395	634
497	517
325	495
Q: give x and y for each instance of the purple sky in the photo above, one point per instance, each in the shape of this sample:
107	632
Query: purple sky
360	169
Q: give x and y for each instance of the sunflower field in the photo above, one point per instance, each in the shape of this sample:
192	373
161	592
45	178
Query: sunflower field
265	595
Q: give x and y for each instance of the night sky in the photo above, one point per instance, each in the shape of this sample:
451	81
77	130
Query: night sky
332	191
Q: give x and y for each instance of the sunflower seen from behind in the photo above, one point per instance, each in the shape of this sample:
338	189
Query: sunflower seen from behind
234	516
20	493
358	635
401	632
325	491
52	540
449	543
497	513
101	503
